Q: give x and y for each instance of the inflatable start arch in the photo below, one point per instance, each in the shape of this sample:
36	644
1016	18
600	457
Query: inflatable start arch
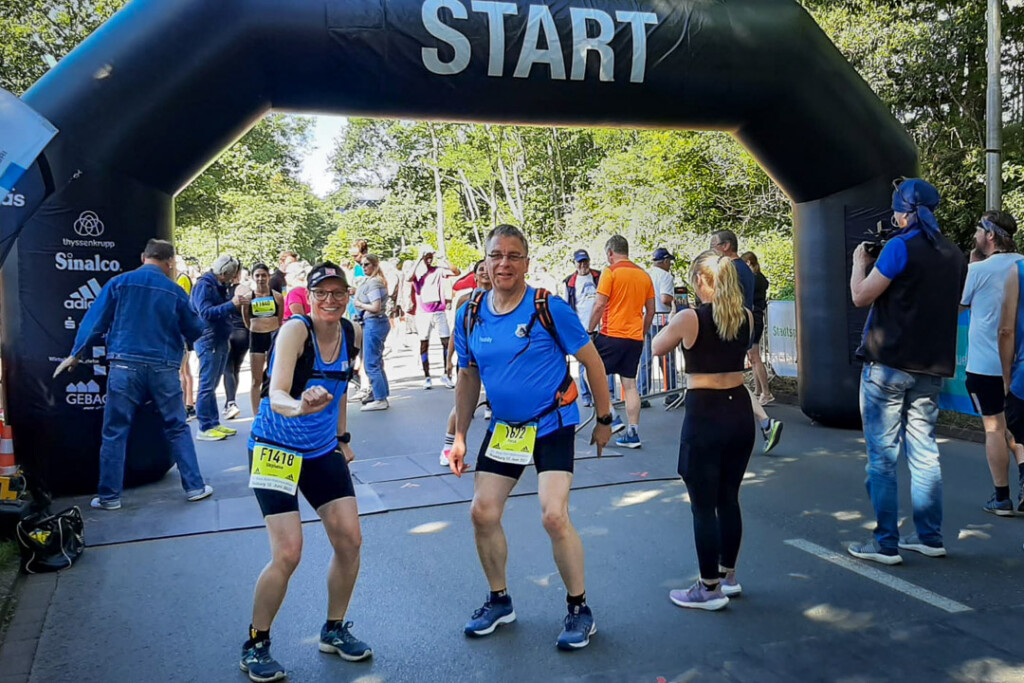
153	96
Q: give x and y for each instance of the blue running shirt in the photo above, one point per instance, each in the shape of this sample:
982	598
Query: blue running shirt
314	435
521	387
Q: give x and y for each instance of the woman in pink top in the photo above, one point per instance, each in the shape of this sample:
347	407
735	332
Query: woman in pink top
297	299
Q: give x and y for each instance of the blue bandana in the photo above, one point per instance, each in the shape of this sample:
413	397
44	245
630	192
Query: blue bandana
918	199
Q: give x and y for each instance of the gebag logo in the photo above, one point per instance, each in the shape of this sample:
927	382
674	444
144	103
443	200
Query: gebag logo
89	225
83	297
85	395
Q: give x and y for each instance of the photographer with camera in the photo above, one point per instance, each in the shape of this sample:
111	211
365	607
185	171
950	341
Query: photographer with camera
909	345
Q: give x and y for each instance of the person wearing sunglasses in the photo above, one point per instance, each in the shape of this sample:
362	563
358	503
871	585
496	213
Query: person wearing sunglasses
300	444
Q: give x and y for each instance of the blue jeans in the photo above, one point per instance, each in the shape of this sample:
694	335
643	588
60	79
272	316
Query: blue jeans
899	410
667	363
128	386
213	359
375	333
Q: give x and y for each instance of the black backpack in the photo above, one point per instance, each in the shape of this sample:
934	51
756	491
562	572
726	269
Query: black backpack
305	366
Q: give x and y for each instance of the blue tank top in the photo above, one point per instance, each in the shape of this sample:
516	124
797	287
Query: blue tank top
1017	369
312	436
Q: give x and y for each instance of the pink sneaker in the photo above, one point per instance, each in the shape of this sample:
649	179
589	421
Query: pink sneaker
443	460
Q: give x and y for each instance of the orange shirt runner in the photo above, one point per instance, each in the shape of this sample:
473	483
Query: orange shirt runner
628	287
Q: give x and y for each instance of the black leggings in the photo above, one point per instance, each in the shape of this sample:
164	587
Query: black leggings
714	449
238	346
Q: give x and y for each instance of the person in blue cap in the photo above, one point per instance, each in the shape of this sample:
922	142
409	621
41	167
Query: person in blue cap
908	347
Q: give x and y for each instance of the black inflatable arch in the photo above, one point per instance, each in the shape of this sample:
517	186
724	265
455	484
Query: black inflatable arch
153	96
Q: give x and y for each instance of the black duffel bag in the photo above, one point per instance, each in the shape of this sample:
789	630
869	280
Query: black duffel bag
51	543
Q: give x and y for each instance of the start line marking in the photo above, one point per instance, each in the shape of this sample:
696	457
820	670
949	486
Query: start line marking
878	576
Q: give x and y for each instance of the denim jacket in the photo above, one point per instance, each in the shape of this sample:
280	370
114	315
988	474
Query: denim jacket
211	301
146	317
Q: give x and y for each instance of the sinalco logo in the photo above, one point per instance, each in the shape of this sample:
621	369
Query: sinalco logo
15	200
89	225
85	395
83	297
65	260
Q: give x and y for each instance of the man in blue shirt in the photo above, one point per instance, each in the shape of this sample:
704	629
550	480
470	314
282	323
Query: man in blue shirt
146	318
909	345
212	303
521	361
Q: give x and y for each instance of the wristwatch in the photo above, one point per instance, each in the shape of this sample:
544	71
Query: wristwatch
346	437
604	419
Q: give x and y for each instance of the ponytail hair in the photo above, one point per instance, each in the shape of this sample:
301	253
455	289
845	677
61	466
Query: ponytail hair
727	301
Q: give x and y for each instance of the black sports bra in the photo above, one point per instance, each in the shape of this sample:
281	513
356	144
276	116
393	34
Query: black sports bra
712	355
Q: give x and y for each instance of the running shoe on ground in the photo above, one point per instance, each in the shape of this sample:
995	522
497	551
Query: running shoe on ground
645	403
375	405
617	425
914	543
578	627
766	399
729	586
200	494
211	435
699	597
190	413
588	402
101	504
871	551
226	431
232	411
443	460
367	399
427	384
261	667
447	381
1003	508
489	617
772	434
340	641
631	439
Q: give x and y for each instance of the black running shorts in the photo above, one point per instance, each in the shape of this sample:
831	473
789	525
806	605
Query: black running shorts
621	356
986	392
551	453
321	481
259	342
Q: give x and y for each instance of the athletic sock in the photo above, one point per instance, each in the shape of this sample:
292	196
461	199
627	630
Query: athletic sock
1002	493
499	596
256	636
576	600
765	424
449	441
634	430
335	623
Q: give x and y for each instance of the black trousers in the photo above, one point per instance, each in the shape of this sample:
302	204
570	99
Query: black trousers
238	346
714	449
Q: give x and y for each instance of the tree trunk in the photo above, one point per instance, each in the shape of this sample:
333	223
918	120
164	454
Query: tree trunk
438	195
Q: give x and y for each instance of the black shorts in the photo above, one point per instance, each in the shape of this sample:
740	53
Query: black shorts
554	452
189	347
758	327
259	342
1015	417
621	356
986	392
321	480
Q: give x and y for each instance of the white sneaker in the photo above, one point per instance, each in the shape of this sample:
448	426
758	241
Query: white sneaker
443	460
375	405
447	381
200	495
232	411
427	384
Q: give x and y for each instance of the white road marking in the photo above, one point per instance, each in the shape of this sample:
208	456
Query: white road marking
878	576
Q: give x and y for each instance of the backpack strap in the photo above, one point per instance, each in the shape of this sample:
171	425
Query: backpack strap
542	313
472	312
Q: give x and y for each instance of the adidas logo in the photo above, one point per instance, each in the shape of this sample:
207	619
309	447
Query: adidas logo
82	298
85	394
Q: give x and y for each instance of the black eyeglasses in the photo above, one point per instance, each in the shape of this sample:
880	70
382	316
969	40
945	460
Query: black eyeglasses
322	294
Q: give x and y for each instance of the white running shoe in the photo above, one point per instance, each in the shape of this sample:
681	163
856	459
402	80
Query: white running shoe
443	460
195	496
427	384
232	411
375	405
447	381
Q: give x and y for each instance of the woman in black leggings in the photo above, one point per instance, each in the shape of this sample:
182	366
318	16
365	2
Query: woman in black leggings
718	428
238	346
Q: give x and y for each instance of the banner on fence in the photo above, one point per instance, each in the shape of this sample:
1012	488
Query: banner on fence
954	394
781	331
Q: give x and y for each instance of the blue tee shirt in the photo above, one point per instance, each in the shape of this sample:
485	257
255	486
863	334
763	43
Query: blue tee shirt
747	281
893	259
522	374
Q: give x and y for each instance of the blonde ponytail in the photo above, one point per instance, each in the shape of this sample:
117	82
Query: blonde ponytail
728	311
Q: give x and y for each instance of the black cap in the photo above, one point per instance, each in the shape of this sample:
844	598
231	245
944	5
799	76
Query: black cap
325	271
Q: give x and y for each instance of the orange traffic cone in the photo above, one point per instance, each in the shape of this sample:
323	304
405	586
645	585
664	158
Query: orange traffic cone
8	465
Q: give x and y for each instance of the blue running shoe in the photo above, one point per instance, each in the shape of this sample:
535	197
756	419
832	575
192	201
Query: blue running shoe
630	440
579	626
617	425
257	662
490	616
340	641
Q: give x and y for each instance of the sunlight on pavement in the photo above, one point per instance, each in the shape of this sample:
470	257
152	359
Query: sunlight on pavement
989	670
838	617
973	533
240	468
636	498
543	581
847	515
429	528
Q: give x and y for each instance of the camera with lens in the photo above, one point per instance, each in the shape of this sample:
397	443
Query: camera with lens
877	238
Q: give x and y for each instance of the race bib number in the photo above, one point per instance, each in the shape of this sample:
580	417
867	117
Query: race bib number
275	469
264	307
512	445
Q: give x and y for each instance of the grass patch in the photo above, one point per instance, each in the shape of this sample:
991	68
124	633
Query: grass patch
8	555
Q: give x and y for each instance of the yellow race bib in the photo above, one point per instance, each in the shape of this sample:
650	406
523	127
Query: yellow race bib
264	307
512	445
275	469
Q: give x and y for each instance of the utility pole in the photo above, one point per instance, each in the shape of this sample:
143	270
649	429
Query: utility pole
994	110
